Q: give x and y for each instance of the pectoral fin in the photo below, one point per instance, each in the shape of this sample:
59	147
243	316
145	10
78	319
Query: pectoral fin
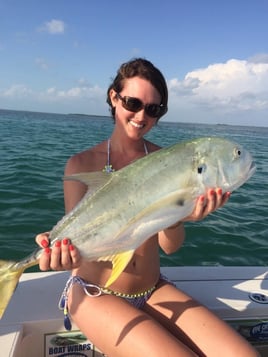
94	180
119	262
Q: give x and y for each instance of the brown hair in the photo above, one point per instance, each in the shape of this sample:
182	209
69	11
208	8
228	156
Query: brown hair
142	68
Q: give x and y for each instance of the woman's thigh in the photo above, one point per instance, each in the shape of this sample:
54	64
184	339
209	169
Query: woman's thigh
195	325
119	329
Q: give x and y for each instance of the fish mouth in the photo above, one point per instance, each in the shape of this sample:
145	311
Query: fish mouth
242	179
252	169
226	181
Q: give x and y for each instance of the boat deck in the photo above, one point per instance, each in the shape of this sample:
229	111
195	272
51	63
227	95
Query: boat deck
33	326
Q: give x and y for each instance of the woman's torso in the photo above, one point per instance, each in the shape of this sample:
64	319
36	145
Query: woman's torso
143	270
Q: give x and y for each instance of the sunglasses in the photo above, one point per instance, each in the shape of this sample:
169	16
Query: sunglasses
135	105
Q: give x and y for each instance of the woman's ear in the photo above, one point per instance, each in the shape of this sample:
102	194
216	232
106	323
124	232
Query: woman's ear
113	97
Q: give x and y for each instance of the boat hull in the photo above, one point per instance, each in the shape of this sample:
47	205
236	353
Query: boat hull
33	326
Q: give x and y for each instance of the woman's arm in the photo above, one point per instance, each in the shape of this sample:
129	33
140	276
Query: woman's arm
73	190
171	239
63	255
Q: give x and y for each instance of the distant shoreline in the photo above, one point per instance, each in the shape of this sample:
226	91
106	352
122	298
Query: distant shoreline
89	115
75	114
165	120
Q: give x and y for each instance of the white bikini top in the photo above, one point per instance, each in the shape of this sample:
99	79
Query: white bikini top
108	167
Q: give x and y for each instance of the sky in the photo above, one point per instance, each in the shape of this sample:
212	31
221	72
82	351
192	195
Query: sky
60	56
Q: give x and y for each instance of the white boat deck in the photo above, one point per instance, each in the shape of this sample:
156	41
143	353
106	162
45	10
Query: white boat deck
32	319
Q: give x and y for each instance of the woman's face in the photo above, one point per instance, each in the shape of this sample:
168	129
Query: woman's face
136	124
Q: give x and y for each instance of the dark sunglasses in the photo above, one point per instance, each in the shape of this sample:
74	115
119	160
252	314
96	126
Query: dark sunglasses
135	105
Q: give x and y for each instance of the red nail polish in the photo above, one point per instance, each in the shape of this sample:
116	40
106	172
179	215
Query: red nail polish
211	192
47	250
58	244
202	198
71	247
65	241
44	243
220	191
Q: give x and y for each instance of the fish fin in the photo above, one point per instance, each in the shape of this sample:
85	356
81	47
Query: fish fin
94	180
119	262
9	278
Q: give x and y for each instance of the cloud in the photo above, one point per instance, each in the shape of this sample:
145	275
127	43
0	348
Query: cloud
83	91
16	91
82	98
259	58
78	92
232	86
53	27
41	63
235	91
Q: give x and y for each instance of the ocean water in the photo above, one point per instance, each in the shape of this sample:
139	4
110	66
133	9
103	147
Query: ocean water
34	148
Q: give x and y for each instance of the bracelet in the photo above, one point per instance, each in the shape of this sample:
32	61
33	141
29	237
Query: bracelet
176	225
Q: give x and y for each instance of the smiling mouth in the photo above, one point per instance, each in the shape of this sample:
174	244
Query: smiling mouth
139	126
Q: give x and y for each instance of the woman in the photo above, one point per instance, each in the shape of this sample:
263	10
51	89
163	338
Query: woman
142	314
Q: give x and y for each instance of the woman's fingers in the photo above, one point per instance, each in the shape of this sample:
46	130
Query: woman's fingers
208	203
61	256
42	239
44	261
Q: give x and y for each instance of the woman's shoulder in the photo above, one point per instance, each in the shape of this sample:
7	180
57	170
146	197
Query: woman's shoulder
87	160
151	147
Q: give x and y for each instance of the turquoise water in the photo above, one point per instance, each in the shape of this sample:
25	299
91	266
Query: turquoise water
34	148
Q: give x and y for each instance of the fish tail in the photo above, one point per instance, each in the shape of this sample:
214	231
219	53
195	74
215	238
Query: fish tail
10	273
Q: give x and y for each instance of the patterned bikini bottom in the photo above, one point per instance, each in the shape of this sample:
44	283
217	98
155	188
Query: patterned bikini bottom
138	300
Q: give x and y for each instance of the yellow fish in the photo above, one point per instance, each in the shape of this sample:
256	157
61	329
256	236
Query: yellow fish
122	209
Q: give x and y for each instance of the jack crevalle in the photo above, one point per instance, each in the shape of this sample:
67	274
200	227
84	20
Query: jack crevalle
121	210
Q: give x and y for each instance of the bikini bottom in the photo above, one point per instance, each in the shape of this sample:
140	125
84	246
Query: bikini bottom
138	300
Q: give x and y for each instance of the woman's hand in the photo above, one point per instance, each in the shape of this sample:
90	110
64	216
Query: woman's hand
208	203
62	256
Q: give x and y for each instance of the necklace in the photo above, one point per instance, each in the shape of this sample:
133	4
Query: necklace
108	167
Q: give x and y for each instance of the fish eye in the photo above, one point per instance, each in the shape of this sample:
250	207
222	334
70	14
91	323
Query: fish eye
237	153
201	168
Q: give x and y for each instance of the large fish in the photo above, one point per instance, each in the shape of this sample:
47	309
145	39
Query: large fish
123	209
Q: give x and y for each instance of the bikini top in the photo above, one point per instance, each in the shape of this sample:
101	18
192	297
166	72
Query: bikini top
108	167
